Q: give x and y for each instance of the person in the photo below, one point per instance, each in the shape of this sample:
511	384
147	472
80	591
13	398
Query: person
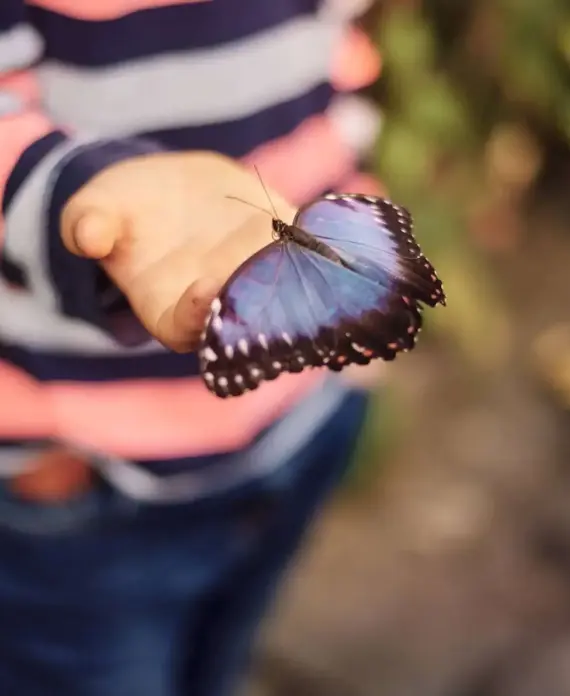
144	523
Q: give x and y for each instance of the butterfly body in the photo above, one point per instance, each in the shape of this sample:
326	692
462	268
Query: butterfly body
284	233
343	284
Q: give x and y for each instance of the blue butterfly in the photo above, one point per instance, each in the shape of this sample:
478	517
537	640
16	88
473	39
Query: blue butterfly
343	284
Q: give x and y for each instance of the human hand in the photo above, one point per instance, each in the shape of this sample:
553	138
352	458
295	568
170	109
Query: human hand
165	233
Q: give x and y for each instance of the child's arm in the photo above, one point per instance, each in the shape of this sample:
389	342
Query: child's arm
157	223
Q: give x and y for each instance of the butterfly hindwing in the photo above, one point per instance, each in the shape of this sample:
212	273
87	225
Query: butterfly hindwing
374	237
288	308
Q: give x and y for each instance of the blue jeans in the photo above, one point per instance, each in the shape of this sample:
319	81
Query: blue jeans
103	596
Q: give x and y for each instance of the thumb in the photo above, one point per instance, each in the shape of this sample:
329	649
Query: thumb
94	234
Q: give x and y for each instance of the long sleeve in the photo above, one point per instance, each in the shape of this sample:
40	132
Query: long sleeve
42	164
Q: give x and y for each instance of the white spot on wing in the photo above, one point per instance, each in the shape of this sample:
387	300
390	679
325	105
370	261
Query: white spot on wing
209	354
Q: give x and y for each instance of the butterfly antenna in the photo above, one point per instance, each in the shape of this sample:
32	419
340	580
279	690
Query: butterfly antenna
257	207
275	214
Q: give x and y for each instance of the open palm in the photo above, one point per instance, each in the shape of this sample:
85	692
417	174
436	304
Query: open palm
168	236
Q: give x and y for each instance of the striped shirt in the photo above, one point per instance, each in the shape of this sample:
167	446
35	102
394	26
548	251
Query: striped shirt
85	84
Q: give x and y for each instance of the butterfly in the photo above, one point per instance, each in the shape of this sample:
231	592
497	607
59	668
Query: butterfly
342	285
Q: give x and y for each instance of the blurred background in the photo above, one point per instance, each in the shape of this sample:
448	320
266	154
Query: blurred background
443	566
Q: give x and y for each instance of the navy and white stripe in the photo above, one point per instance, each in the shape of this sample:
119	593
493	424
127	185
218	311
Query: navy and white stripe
125	39
220	84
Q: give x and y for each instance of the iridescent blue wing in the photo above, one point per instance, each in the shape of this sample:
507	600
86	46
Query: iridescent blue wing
374	237
288	308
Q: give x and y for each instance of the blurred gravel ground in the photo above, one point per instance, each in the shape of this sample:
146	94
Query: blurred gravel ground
451	576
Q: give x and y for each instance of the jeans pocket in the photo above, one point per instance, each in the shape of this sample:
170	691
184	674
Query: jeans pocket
88	509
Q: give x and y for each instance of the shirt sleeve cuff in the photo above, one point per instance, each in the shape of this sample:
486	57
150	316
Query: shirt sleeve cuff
78	280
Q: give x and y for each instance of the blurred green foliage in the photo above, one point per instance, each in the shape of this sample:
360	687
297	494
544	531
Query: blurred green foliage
472	92
475	94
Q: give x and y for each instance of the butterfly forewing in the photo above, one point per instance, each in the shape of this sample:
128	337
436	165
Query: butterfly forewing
288	308
249	336
374	236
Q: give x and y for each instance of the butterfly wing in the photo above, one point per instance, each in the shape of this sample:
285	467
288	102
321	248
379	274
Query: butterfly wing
288	308
374	237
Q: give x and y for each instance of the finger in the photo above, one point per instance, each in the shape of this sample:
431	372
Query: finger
181	325
199	297
95	234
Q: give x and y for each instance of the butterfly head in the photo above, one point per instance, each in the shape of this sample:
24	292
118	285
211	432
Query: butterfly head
279	229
